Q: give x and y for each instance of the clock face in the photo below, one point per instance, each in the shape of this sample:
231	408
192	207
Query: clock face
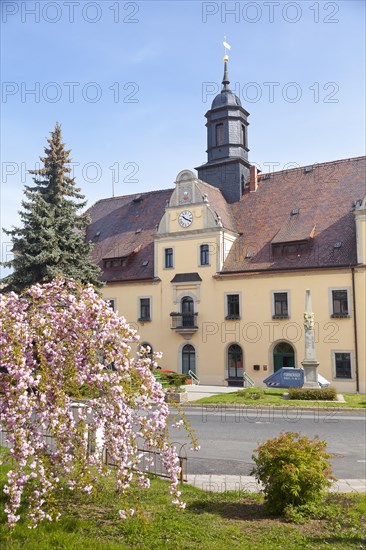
185	218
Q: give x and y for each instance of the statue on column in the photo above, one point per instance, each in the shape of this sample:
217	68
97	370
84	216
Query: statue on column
310	364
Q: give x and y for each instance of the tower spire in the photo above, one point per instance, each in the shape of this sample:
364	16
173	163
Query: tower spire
227	166
225	80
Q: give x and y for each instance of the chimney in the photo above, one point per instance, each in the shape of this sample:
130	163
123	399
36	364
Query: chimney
253	179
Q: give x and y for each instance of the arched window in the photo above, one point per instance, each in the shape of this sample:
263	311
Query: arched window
187	310
283	356
188	359
235	363
219	134
149	349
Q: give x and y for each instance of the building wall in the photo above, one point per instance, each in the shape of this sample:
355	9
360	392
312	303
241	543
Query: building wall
256	332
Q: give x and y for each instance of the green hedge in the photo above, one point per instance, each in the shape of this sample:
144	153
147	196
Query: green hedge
310	394
170	378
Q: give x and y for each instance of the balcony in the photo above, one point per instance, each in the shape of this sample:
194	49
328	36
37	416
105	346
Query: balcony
184	323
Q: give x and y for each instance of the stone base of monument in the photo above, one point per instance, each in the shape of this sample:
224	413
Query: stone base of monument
310	374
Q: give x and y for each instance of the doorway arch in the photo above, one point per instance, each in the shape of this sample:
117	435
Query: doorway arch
188	359
235	365
283	356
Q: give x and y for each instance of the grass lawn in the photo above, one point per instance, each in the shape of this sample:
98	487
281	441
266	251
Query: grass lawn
273	397
210	522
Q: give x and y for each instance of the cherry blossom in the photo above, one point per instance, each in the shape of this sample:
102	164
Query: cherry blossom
60	341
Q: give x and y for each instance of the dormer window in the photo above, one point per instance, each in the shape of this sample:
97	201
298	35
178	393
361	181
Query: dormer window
290	250
219	134
295	237
115	262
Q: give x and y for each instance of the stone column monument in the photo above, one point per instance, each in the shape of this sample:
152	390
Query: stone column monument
310	364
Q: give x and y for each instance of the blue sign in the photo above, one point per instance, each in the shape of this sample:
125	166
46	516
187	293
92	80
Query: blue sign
287	377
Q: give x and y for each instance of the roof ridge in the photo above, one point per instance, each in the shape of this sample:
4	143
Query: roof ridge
363	157
131	195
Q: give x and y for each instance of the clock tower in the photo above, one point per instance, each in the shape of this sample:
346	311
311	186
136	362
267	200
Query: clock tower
196	231
227	164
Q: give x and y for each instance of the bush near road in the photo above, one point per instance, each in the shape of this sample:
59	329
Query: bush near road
294	471
211	521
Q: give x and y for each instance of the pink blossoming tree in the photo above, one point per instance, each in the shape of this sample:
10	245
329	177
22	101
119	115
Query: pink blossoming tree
58	339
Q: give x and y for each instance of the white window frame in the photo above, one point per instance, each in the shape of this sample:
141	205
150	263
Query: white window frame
278	291
209	255
334	377
164	249
349	302
114	303
237	293
139	318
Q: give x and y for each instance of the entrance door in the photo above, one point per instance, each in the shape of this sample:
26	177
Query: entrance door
187	312
283	356
188	359
235	365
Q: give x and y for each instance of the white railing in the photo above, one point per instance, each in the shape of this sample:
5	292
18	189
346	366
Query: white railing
194	378
248	381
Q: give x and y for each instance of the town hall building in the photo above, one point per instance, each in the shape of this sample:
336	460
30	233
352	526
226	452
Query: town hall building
214	271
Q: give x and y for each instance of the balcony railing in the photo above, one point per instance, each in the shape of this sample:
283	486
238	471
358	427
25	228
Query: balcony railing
184	323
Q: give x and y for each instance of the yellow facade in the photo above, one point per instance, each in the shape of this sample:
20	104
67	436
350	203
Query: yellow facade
256	331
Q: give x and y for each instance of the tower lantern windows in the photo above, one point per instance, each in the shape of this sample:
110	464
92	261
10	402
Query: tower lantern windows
219	134
243	135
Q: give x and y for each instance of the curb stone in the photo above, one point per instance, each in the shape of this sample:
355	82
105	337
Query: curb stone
212	483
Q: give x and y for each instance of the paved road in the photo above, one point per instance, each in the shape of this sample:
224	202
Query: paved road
228	437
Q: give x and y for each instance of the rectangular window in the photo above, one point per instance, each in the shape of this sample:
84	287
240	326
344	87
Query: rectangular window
144	309
233	306
343	365
340	303
116	262
168	257
111	302
219	134
204	254
291	250
280	306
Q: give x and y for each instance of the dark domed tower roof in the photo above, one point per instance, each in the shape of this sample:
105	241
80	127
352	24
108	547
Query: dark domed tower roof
225	98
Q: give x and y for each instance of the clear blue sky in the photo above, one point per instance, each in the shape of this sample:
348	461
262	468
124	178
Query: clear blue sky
162	58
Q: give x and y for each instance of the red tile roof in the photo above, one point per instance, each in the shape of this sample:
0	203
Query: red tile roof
121	227
218	204
324	197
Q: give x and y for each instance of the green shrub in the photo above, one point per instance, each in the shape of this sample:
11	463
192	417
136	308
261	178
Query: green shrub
294	471
309	394
172	379
252	393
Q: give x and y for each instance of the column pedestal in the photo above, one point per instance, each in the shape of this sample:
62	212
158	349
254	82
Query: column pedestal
310	374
